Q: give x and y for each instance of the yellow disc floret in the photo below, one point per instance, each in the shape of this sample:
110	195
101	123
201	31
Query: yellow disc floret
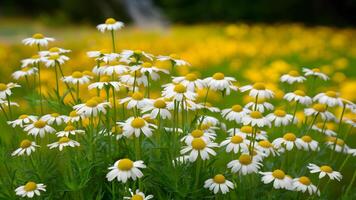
30	186
289	137
219	178
256	114
319	107
280	113
197	133
218	76
63	140
245	159
110	21
40	124
125	164
37	36
138	122
160	103
326	169
179	88
236	139
25	144
304	180
259	86
137	96
236	108
279	174
198	144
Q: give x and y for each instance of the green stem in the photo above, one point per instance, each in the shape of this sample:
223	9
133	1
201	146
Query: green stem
70	91
350	184
77	91
113	41
40	87
9	105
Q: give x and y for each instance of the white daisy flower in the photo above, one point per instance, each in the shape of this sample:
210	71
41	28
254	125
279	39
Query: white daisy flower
261	106
246	164
69	130
304	184
63	142
278	177
109	70
351	122
207	106
340	145
174	58
315	72
197	147
54	50
190	81
352	152
127	54
22	120
255	118
235	113
4	103
218	82
136	100
105	82
117	132
324	170
77	78
33	61
236	144
129	79
246	131
37	39
219	183
125	169
138	195
281	118
288	141
38	127
298	96
110	25
26	147
30	189
91	108
177	92
292	77
136	126
258	89
24	72
329	98
148	69
53	59
319	109
5	89
53	118
103	55
158	107
197	133
267	148
73	117
307	143
323	129
209	120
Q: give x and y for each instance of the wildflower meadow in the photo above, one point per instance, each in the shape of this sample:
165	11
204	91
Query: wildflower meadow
215	112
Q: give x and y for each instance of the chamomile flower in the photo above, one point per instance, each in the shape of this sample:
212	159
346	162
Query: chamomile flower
190	80
219	183
197	133
207	106
307	143
255	118
125	169
267	148
158	107
236	144
235	113
52	60
26	147
110	70
63	142
174	58
53	118
288	141
73	117
351	122
24	72
91	108
298	96
77	78
30	189
103	55
127	54
246	164
177	92
149	69
323	129
22	120
136	100
138	195
258	90
304	184
37	39
116	131
197	147
106	82
5	89
316	73
69	130
4	103
329	98
134	77
38	127
33	61
246	131
218	82
319	109
337	144
110	25
278	177
135	126
324	170
292	77
281	118
53	50
261	106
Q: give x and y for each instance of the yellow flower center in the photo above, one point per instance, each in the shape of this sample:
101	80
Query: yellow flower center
136	197
37	36
138	52
110	21
279	174
294	73
236	139
246	129
77	74
265	144
179	88
236	108
147	65
54	49
138	122
299	93
73	114
160	103
304	180
55	115
280	113
205	126
25	144
3	86
137	96
197	133
316	70
40	124
23	116
218	76
69	128
307	138
30	186
326	169
54	57
219	179
256	115
191	77
63	140
319	107
289	137
331	94
259	86
125	164
91	103
245	159
174	56
198	144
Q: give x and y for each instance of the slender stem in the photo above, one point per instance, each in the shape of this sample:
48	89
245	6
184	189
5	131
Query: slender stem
113	41
339	129
3	110
77	91
350	184
9	105
255	108
40	87
148	85
134	84
295	111
57	83
69	89
312	123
